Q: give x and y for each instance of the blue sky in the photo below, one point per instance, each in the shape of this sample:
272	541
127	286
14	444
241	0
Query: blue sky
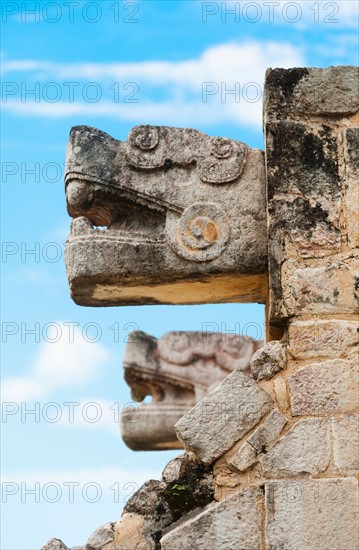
111	65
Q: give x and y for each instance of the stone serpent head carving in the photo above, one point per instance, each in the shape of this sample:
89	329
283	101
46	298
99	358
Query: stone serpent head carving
167	205
177	370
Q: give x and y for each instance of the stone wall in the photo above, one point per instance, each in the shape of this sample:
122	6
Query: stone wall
304	456
271	458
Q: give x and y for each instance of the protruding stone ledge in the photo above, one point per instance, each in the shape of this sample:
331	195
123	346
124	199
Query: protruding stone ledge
222	418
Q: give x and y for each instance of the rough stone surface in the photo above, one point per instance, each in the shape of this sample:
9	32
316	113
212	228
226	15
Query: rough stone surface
346	444
303	189
185	486
192	487
316	338
308	176
133	532
170	197
281	393
223	417
312	164
101	538
295	186
311	91
258	443
269	360
329	289
351	139
304	449
312	515
55	544
324	388
233	524
198	481
177	370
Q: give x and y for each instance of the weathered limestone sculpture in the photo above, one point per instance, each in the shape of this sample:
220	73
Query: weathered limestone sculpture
184	214
283	443
178	370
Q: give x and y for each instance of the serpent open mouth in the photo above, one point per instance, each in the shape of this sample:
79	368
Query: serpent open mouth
176	372
162	213
149	425
98	212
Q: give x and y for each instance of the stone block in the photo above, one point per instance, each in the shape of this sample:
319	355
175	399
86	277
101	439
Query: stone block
346	444
222	418
331	289
316	338
312	515
258	443
311	91
303	177
269	360
304	449
324	388
229	525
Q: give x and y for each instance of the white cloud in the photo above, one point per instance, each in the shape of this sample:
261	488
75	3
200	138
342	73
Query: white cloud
224	62
175	112
194	91
64	360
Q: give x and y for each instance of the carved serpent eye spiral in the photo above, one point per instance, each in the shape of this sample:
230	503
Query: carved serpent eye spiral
202	232
175	347
145	137
222	148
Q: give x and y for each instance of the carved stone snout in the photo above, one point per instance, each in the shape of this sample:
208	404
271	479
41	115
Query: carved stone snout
177	371
170	197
